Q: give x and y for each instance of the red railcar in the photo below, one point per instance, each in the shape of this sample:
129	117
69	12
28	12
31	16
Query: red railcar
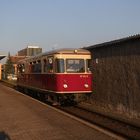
59	73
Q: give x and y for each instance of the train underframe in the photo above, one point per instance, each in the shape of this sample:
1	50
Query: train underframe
54	98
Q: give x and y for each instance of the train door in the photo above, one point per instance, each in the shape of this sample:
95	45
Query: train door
50	64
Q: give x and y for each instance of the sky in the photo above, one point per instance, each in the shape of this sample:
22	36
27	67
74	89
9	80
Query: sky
52	24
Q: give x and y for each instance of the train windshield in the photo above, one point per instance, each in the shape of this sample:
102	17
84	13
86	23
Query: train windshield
75	65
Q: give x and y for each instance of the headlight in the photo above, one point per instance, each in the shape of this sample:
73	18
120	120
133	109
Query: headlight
86	85
65	85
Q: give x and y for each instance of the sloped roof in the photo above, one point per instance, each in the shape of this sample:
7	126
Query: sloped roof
15	59
2	56
135	37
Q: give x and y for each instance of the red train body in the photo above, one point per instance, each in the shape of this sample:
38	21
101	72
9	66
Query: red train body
60	72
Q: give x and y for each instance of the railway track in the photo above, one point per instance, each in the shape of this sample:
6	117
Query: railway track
115	126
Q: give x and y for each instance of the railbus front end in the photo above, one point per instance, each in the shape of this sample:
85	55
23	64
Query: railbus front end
58	75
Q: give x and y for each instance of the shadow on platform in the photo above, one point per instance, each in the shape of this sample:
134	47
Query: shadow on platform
4	136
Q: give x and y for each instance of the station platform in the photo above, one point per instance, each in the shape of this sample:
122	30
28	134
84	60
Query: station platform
23	118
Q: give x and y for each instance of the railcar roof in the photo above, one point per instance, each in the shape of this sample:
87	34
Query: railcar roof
67	51
60	51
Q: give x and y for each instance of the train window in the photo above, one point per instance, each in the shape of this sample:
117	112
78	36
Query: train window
59	65
88	65
45	65
34	67
75	65
30	67
21	68
37	66
50	65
